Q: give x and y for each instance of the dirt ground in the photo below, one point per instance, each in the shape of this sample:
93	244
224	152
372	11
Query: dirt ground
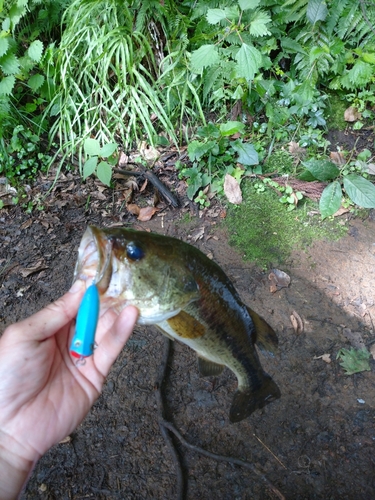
316	442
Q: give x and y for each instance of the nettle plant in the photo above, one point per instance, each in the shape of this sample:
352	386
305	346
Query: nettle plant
233	58
350	179
217	151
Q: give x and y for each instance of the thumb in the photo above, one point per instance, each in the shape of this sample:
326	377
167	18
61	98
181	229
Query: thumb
114	340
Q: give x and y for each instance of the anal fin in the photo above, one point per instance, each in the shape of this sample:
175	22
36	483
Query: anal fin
209	368
265	336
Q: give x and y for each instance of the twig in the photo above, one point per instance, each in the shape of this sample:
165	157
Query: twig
223	458
155	181
159	401
164	425
266	447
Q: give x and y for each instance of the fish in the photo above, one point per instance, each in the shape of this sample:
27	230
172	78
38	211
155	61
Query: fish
189	298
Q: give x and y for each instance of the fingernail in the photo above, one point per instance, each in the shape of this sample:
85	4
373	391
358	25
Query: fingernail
76	287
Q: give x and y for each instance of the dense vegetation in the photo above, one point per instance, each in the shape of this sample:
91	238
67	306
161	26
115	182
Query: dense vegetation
235	81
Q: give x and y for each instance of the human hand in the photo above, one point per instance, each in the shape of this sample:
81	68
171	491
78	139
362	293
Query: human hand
43	394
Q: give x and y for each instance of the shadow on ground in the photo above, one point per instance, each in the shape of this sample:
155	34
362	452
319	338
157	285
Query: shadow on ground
315	442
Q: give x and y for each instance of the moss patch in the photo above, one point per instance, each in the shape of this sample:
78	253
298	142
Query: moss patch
266	233
335	112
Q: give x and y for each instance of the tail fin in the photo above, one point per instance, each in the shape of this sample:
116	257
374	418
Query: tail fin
246	402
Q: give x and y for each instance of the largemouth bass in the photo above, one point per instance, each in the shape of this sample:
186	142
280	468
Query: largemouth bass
189	298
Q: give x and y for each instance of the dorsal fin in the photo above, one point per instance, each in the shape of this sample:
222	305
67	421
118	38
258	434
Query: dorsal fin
265	337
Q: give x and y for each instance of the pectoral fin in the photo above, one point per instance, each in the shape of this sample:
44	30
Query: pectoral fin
265	337
209	368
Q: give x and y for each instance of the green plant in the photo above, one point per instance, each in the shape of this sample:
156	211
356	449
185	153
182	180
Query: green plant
105	74
216	153
26	27
21	157
103	168
354	360
289	197
360	190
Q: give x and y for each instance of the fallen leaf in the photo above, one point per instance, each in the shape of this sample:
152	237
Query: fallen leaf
148	152
372	351
232	190
294	323
123	159
133	209
278	279
26	271
295	149
146	213
354	361
21	291
324	357
352	114
337	158
198	234
144	185
341	211
297	322
98	195
26	224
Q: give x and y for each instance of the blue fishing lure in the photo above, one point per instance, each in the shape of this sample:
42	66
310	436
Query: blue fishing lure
83	341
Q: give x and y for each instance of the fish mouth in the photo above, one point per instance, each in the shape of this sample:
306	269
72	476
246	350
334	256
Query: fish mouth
94	263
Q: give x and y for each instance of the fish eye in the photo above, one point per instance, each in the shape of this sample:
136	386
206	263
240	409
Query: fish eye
134	252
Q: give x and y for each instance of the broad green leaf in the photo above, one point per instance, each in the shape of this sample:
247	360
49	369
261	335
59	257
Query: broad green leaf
6	24
360	190
89	166
248	4
104	173
291	46
246	152
316	11
249	60
108	150
230	128
205	56
197	149
4	44
30	107
368	57
10	64
7	84
194	181
232	13
35	50
214	16
330	201
35	82
91	147
361	73
258	25
306	176
323	170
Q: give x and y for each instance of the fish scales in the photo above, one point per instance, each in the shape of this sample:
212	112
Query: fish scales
189	298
